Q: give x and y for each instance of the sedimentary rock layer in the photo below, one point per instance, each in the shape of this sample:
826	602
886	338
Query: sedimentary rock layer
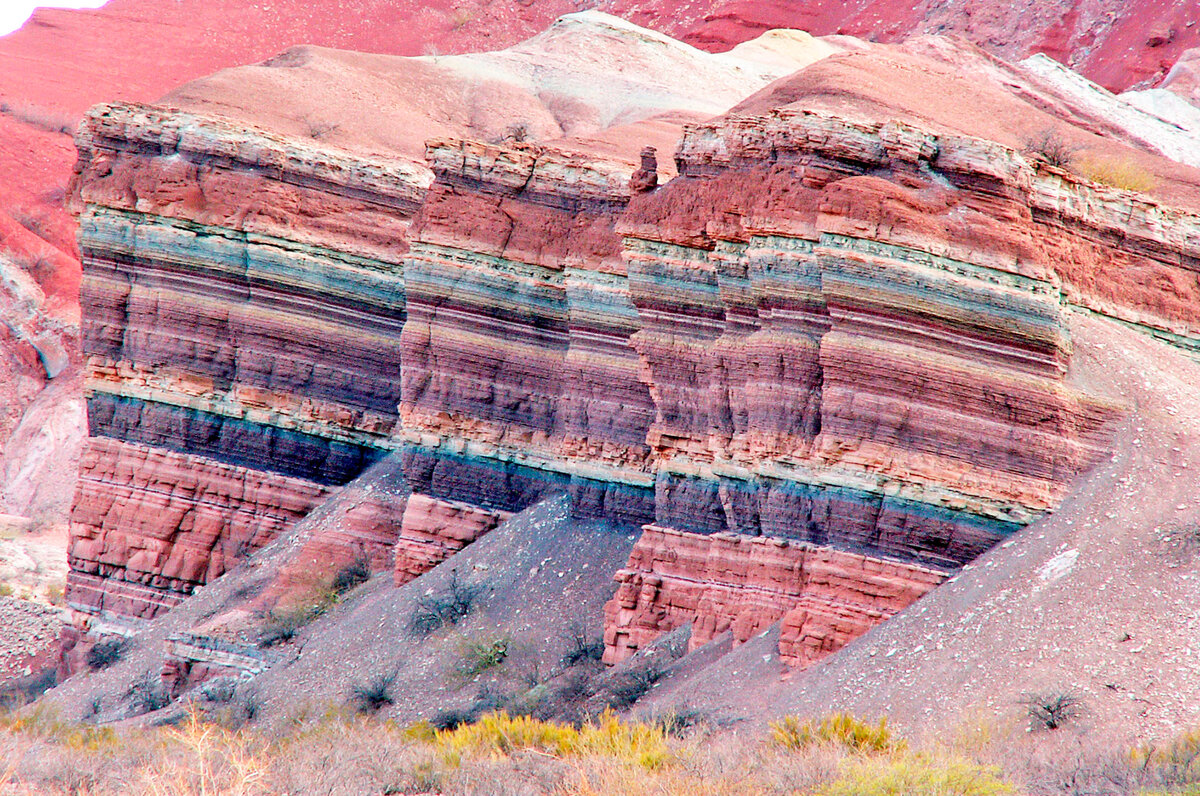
826	365
518	365
226	346
742	584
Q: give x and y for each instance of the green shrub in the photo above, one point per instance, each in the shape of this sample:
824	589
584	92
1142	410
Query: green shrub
838	729
480	655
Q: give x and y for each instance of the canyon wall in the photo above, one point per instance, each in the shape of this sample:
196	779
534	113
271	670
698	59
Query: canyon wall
820	362
239	362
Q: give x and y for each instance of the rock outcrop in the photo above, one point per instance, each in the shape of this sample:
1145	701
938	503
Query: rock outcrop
238	371
248	291
822	356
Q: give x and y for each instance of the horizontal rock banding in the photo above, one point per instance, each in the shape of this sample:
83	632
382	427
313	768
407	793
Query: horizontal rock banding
150	525
741	584
516	344
826	365
246	303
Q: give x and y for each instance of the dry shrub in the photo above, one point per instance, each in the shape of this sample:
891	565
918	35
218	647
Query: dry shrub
1051	148
1175	764
838	729
203	758
916	776
445	607
1121	173
48	119
631	743
1051	710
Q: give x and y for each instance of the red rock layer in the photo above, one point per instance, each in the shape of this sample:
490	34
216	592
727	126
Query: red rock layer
433	530
151	525
727	582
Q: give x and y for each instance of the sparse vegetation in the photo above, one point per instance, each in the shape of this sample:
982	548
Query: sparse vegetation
1174	765
371	696
342	751
916	776
838	729
644	745
629	686
482	654
282	624
105	653
319	130
1051	148
1051	710
445	607
353	574
1121	173
146	694
582	646
48	119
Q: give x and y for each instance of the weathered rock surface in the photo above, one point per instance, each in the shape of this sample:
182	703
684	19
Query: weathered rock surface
823	356
247	291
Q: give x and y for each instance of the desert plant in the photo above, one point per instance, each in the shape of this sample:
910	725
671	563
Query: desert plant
48	119
105	653
1051	148
94	706
629	686
582	646
641	744
219	690
916	776
838	729
282	625
679	720
445	607
371	696
480	655
1051	710
318	129
354	573
146	694
1121	173
56	594
1173	764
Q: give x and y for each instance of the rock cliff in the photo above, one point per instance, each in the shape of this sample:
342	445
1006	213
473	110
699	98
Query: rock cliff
821	355
247	293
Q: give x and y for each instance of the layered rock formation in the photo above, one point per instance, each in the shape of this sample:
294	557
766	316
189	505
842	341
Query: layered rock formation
238	371
821	354
247	293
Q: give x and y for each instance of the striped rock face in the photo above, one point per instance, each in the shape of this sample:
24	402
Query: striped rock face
240	367
822	368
